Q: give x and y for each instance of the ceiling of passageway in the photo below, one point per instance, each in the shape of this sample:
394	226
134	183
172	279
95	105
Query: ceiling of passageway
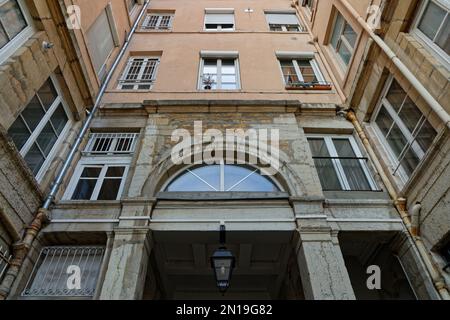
184	271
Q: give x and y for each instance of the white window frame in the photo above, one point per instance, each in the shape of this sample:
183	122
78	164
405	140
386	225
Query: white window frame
16	42
314	65
98	162
219	11
131	10
342	40
339	169
222	165
136	83
441	54
219	57
33	137
411	143
160	17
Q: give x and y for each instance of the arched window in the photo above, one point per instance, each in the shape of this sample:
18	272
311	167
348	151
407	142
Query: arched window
222	178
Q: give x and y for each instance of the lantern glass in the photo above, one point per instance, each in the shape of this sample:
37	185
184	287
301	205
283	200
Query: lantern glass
223	263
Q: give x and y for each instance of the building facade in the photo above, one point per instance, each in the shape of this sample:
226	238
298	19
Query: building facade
316	132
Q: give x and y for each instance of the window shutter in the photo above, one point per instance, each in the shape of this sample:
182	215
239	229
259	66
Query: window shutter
219	18
282	18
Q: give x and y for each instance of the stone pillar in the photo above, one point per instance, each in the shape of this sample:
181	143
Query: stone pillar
322	268
127	267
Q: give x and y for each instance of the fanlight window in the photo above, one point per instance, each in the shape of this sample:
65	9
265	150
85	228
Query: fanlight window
222	178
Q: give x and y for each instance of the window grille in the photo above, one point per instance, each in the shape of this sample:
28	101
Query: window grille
157	22
111	143
139	74
52	275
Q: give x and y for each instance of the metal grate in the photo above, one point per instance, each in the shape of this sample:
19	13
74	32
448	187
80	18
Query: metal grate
139	74
157	22
53	273
111	143
5	260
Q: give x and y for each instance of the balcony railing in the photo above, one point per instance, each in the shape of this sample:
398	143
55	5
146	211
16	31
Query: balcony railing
316	85
5	260
354	173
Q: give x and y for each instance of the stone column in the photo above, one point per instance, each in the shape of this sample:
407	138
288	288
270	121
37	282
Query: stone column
322	267
127	267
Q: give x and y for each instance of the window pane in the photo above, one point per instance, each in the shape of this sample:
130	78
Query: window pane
431	20
47	94
210	66
3	37
110	189
353	170
307	71
228	67
324	165
33	113
426	136
19	133
86	185
12	18
410	162
59	119
396	96
34	159
91	172
240	179
47	139
350	35
115	172
337	31
289	74
443	39
410	114
84	190
345	54
384	121
397	140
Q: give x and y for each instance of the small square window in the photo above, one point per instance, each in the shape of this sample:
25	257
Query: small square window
283	22
219	20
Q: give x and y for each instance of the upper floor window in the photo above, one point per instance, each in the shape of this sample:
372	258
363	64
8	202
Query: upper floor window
343	39
158	21
404	128
40	127
221	178
283	21
302	72
219	20
131	4
103	168
310	4
102	38
56	265
340	164
433	26
220	72
139	73
15	27
445	251
5	260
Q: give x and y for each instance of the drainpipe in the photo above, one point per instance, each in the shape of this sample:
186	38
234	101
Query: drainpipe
400	205
415	219
20	250
417	85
